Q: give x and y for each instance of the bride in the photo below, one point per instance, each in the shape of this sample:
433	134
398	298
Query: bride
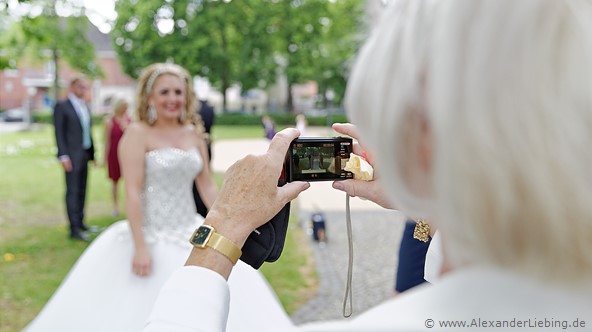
114	283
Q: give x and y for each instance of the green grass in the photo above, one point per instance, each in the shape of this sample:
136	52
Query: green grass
35	253
293	275
32	265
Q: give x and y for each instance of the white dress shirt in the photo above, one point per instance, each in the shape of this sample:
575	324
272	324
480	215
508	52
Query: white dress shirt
84	116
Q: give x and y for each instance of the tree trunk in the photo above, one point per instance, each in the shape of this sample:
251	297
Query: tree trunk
225	69
225	86
290	101
56	76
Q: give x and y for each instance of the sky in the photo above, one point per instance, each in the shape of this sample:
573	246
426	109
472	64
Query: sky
99	12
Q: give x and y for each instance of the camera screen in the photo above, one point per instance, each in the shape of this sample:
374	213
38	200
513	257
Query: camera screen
319	159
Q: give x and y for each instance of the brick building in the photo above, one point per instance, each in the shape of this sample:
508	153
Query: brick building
29	85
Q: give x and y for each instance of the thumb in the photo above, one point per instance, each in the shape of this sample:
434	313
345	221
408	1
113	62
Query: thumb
369	190
353	187
291	190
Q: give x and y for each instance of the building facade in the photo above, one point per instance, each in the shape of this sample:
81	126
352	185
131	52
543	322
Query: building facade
30	85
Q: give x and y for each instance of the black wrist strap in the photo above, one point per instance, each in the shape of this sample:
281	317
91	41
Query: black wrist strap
266	243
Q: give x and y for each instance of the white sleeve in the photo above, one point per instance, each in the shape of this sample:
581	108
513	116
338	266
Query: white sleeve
193	299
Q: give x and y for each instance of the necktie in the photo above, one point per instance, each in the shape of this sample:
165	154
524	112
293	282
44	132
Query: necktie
85	122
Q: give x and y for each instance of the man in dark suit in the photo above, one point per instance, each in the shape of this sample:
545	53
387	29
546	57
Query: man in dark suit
206	111
75	149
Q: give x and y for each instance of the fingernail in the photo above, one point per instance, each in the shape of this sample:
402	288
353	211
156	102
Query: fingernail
339	186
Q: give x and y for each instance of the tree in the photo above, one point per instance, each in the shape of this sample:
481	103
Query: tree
242	41
341	40
316	38
10	41
225	41
49	34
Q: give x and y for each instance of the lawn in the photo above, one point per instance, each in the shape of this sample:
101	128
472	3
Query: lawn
35	253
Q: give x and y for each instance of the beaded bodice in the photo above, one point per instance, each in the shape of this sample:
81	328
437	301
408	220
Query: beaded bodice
167	198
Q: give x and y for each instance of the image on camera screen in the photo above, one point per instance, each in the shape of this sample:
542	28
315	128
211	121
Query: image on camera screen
319	161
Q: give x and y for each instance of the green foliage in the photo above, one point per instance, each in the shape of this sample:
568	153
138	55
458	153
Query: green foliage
224	41
64	37
49	37
246	42
47	117
282	119
231	119
11	42
345	30
79	52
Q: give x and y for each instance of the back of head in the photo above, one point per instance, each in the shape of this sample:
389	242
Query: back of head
120	107
505	87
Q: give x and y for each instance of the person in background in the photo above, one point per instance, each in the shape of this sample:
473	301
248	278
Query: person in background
115	281
268	126
301	124
411	262
72	123
478	114
206	112
319	227
115	125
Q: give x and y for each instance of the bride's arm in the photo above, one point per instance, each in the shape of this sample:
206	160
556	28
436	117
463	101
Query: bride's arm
131	157
204	181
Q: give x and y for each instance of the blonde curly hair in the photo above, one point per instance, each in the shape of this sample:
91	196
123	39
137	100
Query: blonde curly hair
145	85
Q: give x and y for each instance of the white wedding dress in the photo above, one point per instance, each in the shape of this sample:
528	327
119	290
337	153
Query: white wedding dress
102	294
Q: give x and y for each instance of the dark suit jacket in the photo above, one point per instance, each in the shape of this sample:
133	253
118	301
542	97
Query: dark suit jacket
68	132
207	117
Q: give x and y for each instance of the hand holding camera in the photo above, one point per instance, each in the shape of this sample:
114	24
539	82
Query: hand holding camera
305	159
370	190
250	195
318	159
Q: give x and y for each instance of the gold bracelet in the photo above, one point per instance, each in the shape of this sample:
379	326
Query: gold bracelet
206	236
421	231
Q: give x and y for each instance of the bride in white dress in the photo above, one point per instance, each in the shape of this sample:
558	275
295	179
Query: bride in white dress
113	285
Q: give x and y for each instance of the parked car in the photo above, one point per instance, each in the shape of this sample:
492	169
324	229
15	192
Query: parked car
15	115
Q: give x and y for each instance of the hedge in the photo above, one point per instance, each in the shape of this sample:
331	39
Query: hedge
230	119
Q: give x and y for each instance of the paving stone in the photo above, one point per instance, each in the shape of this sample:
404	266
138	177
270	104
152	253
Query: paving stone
376	237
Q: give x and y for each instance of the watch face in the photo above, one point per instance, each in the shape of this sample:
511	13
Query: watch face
201	236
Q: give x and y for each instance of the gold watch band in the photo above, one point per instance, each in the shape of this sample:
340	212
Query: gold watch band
206	236
225	247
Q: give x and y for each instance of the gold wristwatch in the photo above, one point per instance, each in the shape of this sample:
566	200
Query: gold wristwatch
422	231
206	236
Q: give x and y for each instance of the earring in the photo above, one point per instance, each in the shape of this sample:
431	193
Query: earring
151	114
182	116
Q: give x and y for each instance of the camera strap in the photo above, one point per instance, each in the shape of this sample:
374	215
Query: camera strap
350	263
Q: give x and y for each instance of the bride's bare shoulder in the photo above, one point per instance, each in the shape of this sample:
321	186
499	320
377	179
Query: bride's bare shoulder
138	127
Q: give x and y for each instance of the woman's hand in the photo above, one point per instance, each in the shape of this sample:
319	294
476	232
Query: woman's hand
142	263
370	190
249	196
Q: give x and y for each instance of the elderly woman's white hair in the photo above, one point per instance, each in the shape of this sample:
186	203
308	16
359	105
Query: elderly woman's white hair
501	92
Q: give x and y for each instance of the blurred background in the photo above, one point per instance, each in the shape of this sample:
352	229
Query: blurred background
249	59
247	56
